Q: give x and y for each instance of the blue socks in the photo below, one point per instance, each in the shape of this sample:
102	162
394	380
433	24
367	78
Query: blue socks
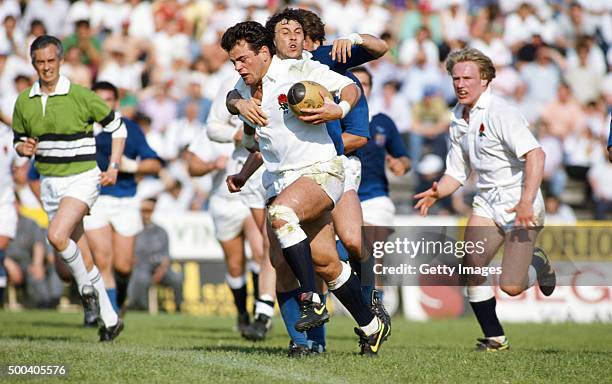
317	334
112	296
290	311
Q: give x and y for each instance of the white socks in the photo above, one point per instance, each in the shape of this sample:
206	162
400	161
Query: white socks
371	328
262	306
73	259
532	277
107	313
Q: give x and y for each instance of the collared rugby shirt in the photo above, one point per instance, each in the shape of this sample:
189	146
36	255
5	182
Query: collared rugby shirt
63	123
493	144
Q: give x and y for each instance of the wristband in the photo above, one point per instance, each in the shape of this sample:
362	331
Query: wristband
248	141
113	165
355	38
345	106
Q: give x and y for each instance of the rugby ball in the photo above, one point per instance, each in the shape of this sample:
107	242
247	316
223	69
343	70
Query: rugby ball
306	94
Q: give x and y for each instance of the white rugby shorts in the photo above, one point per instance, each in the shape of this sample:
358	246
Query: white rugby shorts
352	173
228	216
122	213
84	186
328	174
8	220
492	203
379	211
253	193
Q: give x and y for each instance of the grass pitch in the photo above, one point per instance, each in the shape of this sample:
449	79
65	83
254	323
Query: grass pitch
187	349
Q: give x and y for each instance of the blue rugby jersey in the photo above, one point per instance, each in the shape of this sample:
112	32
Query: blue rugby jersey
355	122
385	139
136	146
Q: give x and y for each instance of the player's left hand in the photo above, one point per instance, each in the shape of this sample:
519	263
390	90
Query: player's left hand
341	50
327	112
109	177
524	215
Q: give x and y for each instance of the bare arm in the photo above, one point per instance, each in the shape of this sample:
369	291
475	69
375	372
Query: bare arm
440	189
331	111
534	169
198	167
237	181
109	177
375	46
341	48
249	109
149	166
353	142
398	165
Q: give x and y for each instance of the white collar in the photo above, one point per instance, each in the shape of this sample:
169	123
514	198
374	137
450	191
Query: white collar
61	88
278	66
483	102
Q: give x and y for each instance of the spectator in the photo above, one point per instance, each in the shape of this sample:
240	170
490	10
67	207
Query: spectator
562	116
420	76
74	69
153	260
181	132
9	8
520	26
455	21
12	39
599	177
160	108
409	49
584	80
175	199
88	45
52	13
558	212
393	104
572	24
27	266
81	10
430	122
554	176
195	95
541	78
124	73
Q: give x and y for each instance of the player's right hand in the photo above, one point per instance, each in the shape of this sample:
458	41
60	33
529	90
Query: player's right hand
235	182
251	110
427	199
341	50
27	148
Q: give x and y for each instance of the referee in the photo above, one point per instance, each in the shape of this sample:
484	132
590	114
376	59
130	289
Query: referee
53	120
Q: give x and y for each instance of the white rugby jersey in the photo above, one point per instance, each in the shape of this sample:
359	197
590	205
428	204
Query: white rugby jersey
7	156
493	144
287	142
209	151
221	125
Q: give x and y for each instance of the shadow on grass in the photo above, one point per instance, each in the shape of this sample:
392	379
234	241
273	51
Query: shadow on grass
39	338
58	324
247	350
203	328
